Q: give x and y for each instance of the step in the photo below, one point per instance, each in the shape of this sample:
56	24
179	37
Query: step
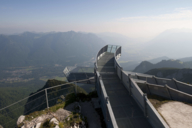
109	76
105	63
114	81
105	69
106	59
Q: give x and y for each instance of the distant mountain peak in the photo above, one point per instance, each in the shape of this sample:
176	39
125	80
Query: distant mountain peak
145	66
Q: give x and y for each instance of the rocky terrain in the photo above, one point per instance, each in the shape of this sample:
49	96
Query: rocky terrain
60	118
75	115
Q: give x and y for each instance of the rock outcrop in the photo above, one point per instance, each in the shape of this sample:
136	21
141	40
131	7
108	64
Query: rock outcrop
54	118
20	120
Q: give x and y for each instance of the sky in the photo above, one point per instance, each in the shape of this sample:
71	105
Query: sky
133	18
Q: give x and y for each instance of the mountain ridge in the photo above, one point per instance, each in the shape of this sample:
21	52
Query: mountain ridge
145	66
28	48
183	75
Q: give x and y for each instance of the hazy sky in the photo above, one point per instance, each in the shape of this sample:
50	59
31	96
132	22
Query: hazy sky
134	18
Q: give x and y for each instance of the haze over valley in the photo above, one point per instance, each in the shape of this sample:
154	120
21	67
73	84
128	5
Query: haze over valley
38	39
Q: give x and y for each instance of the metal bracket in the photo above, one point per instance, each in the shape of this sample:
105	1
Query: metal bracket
107	100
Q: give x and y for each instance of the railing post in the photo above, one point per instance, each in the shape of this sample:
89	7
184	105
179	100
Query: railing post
100	83
46	98
107	100
100	78
147	86
75	88
155	80
166	87
175	83
129	82
95	78
136	75
145	104
121	73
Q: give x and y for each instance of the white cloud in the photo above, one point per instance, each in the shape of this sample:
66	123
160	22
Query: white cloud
151	26
180	14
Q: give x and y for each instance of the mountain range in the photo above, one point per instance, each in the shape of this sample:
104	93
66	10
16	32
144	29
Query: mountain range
183	75
66	48
145	66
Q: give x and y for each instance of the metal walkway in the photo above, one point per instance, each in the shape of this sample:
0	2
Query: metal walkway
127	112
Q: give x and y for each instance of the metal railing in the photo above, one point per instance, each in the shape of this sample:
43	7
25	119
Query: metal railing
40	100
105	101
172	83
165	91
150	112
141	99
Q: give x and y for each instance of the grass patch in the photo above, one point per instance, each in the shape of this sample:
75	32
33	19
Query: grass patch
35	114
70	98
60	78
45	78
47	124
74	118
80	96
123	62
157	101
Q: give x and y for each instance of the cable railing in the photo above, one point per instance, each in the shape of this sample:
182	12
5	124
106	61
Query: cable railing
38	101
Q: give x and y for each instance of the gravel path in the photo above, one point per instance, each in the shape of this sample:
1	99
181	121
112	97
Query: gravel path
177	114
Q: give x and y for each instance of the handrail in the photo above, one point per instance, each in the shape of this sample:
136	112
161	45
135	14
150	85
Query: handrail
99	53
116	54
167	80
146	100
107	103
182	82
141	100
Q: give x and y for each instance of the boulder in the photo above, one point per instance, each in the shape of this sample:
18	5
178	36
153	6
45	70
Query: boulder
55	121
38	125
62	114
56	126
41	118
37	120
76	125
62	97
20	119
1	126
